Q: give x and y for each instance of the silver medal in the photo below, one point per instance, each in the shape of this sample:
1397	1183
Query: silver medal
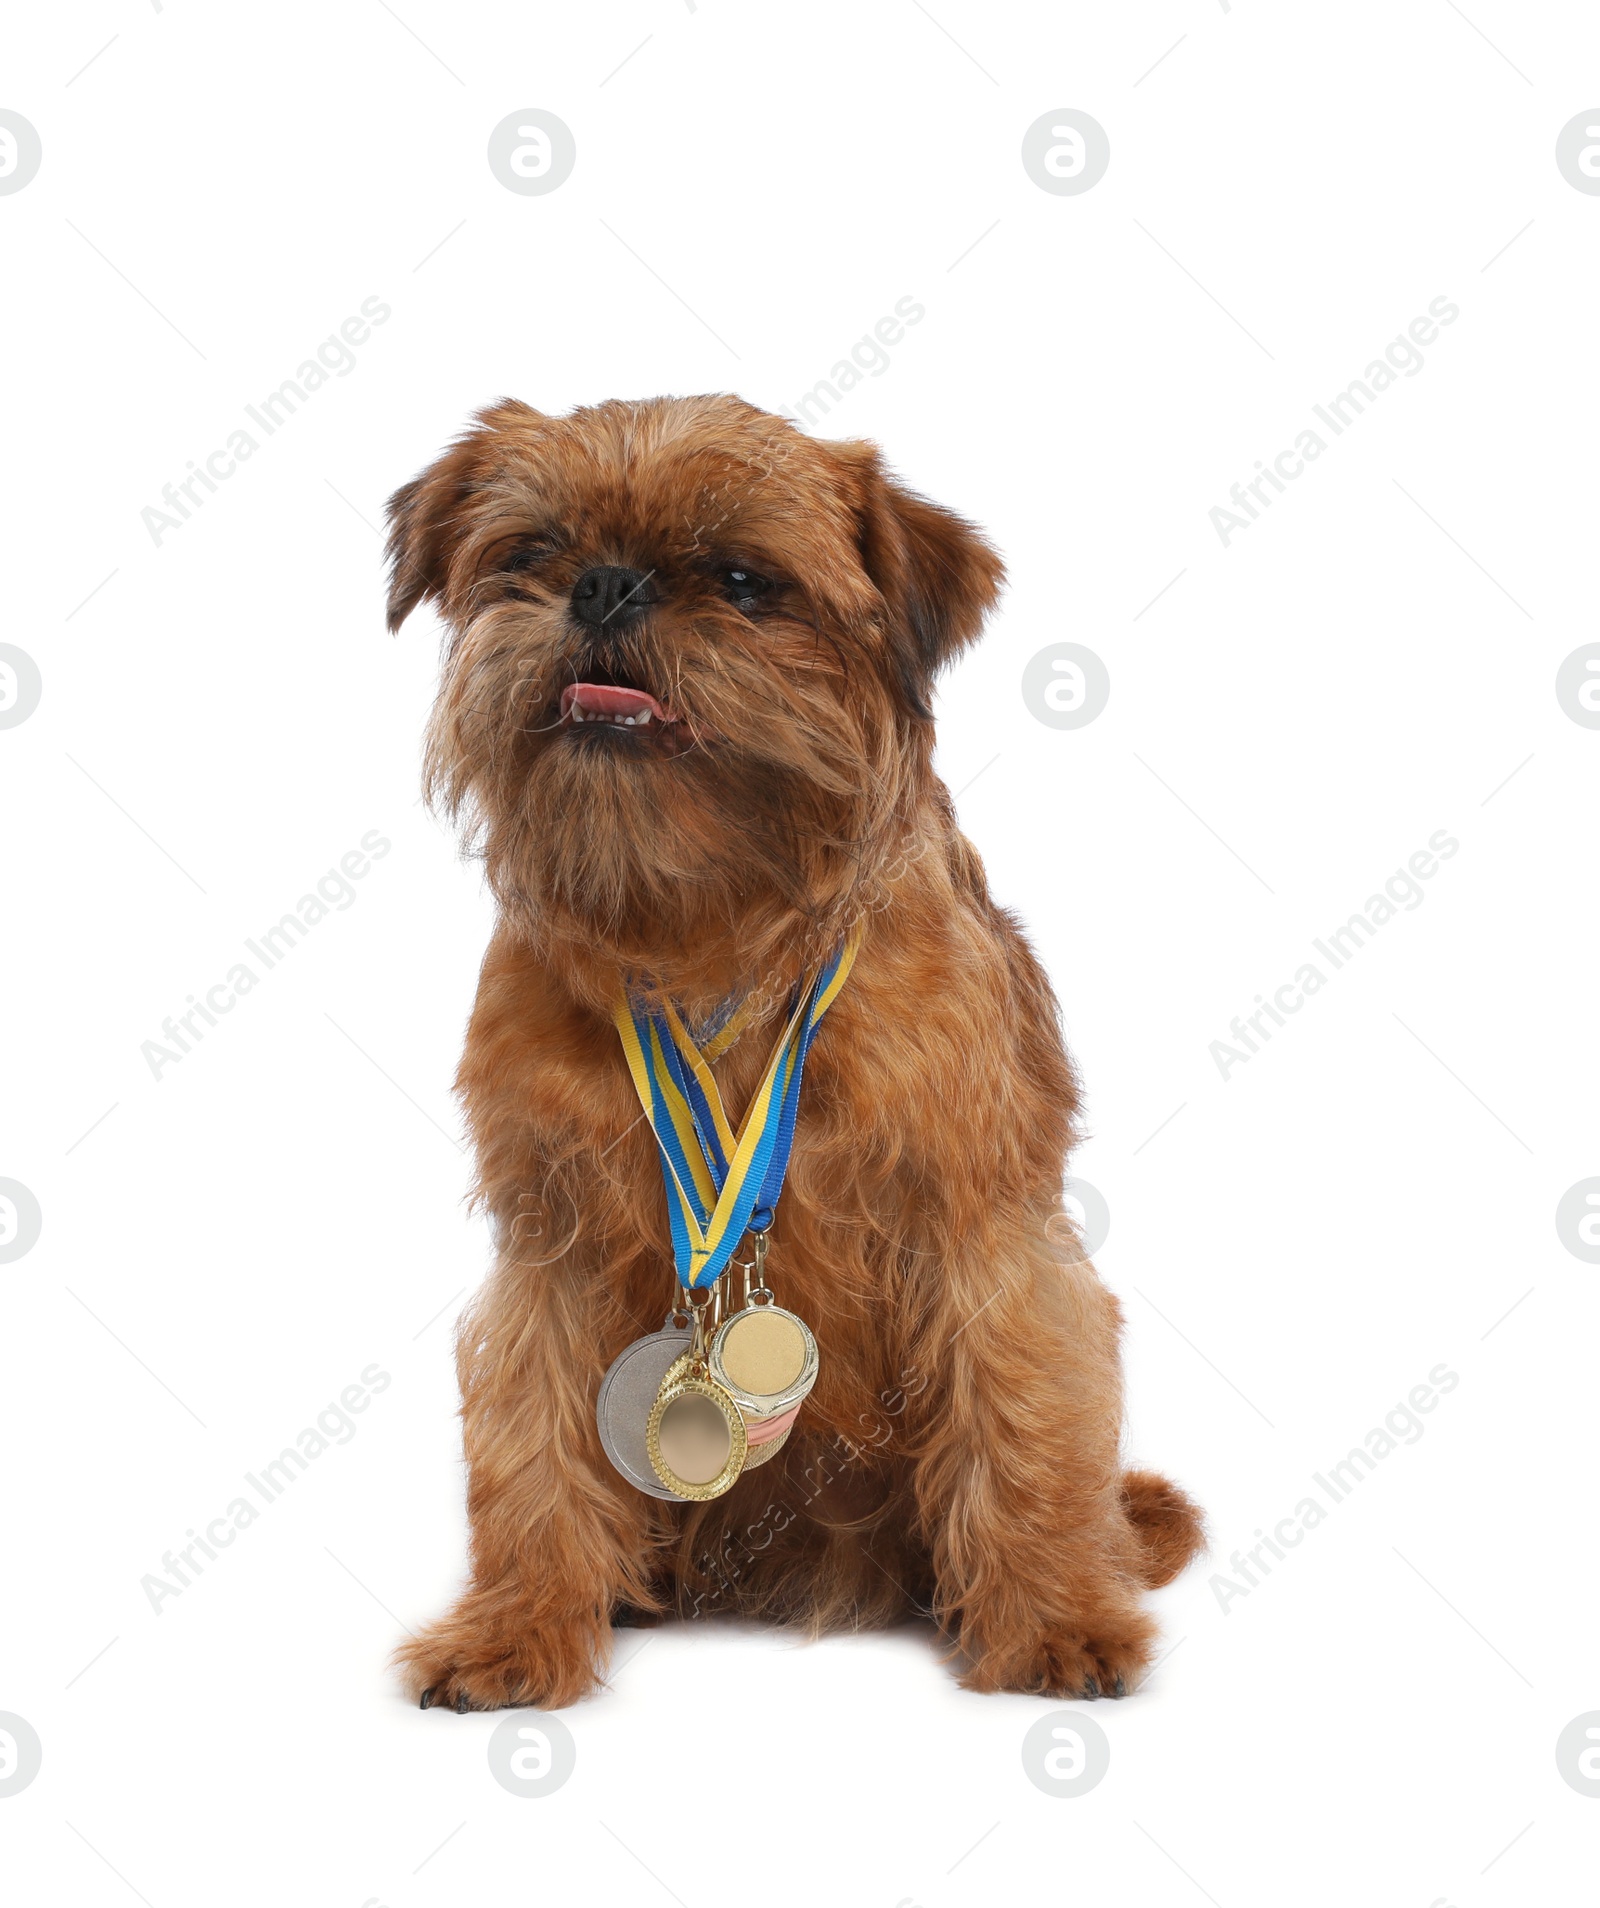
628	1394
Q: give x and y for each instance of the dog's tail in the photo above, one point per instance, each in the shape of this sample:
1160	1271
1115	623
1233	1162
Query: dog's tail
1167	1522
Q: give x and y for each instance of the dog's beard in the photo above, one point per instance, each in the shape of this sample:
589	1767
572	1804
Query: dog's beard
758	815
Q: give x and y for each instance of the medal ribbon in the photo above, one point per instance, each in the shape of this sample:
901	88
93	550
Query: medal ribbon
721	1184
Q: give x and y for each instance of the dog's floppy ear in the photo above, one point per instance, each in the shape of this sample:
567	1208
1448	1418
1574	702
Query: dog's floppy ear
425	516
933	569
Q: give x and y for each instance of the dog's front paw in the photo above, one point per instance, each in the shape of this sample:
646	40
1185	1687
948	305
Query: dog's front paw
1106	1657
463	1666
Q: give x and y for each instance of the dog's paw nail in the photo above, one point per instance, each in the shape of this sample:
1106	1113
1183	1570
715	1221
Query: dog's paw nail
1091	1688
1121	1688
427	1699
462	1704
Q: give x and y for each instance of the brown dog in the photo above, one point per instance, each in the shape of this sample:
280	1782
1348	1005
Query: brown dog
785	605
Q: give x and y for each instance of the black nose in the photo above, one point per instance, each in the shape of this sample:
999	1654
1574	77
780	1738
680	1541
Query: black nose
611	595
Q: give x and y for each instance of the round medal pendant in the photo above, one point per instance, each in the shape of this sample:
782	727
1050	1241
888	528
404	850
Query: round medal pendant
695	1436
766	1357
759	1453
768	1436
627	1393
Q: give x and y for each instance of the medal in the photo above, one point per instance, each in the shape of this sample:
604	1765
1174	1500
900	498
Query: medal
766	1438
695	1435
627	1395
704	1411
764	1356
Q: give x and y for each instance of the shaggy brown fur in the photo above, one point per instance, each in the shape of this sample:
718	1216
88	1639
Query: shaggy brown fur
959	1455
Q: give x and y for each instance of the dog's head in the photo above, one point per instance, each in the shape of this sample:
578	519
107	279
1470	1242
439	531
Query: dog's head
691	655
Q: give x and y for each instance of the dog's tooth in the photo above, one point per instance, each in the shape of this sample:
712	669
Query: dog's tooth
628	720
577	713
642	718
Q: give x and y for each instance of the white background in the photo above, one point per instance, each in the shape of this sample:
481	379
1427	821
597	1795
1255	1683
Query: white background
225	1248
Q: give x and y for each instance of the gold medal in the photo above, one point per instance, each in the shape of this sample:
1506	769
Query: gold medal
735	1400
695	1437
682	1418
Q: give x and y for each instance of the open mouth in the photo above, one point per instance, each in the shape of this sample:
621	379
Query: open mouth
612	706
616	715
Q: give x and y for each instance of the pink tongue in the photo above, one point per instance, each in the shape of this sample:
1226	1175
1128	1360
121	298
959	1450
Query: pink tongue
600	698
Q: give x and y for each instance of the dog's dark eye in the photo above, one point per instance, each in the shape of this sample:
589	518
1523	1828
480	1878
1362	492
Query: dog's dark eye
524	555
743	586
